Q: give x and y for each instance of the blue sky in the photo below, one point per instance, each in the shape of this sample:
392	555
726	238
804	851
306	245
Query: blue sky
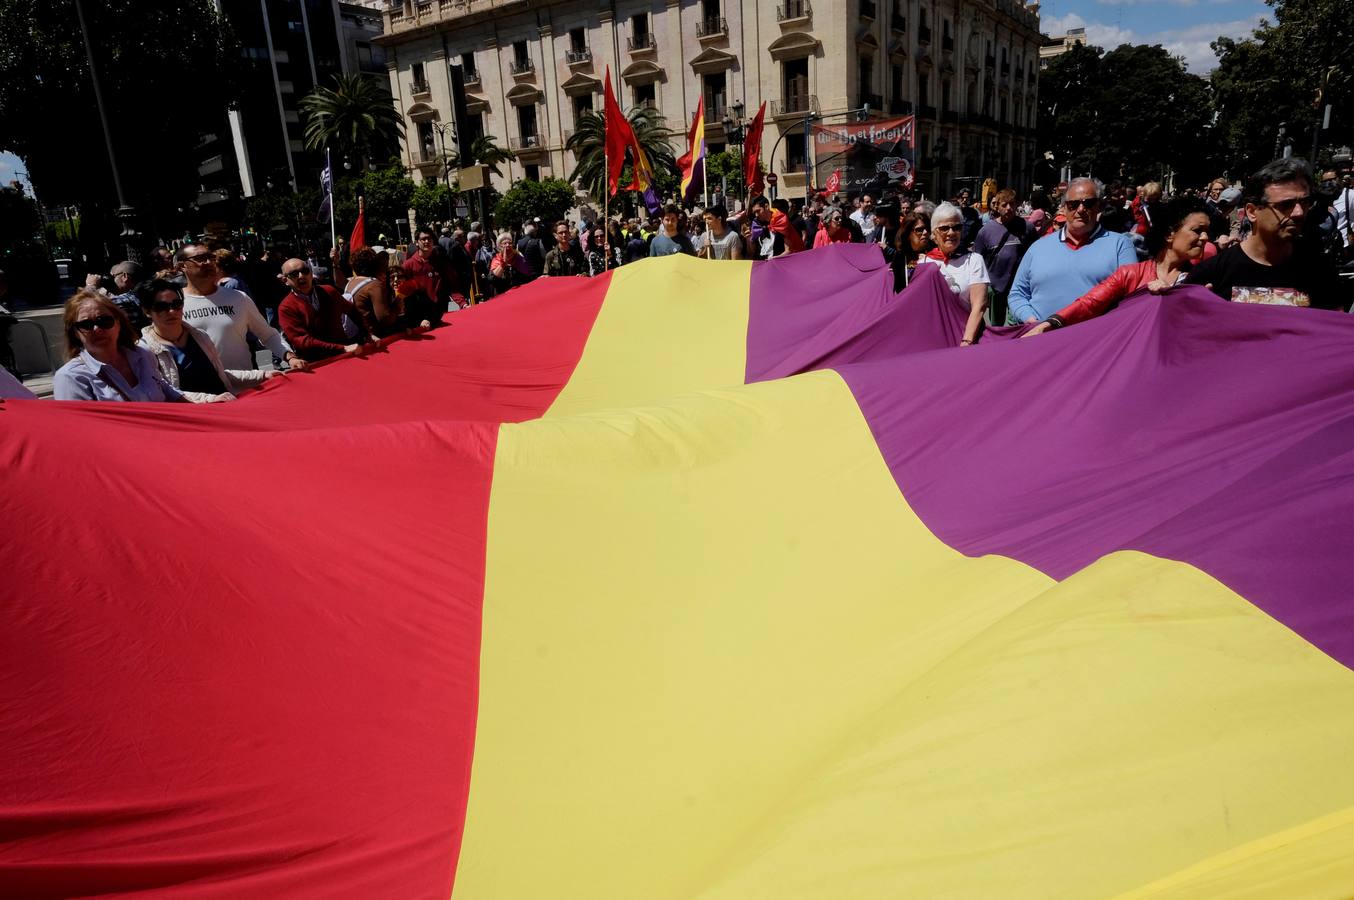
10	167
1185	27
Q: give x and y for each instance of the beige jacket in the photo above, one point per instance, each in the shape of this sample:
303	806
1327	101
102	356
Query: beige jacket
236	380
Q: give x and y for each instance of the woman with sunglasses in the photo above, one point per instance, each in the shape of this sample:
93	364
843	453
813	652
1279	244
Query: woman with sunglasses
185	356
964	270
910	243
104	361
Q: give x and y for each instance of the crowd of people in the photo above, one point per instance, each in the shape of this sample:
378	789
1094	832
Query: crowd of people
188	326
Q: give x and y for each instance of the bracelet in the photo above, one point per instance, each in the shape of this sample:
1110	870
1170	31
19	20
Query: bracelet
965	341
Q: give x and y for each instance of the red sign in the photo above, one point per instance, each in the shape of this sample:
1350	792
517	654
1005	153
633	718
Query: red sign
772	178
834	181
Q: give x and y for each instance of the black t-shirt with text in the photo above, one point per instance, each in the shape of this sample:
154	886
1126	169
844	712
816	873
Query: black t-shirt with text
1306	279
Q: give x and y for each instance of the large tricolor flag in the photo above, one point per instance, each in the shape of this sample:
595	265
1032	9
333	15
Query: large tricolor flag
699	579
691	165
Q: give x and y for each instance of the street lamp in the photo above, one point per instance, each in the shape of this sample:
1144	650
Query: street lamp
442	128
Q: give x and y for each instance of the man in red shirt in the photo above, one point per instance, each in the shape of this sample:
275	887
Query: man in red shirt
432	264
316	320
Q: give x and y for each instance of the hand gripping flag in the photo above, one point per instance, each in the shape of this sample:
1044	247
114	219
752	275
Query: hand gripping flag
719	598
752	153
692	163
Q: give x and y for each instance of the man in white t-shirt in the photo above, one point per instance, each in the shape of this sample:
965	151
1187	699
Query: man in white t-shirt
226	315
864	217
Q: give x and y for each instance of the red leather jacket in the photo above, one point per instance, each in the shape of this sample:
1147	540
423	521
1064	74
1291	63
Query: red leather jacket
1107	294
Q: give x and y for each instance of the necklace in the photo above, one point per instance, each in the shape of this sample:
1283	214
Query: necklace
175	341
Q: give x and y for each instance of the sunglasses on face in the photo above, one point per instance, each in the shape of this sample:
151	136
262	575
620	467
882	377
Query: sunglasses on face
296	273
1286	207
947	228
160	306
1091	204
201	259
104	322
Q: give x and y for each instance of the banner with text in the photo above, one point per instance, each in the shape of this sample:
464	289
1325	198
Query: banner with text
870	156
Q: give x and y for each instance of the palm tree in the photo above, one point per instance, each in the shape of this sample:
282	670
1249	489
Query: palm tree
588	142
485	152
356	118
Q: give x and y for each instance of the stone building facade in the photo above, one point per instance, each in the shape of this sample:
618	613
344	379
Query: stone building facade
524	69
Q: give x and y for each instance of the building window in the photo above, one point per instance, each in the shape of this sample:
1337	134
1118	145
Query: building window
526	124
533	172
923	89
709	10
866	75
417	71
794	153
714	97
645	95
578	40
1003	109
425	139
468	70
945	96
639	29
472	128
795	84
519	53
898	86
582	105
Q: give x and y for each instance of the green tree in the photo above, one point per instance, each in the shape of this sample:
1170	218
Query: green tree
549	199
588	143
356	118
168	71
432	202
485	152
1134	113
1286	72
387	192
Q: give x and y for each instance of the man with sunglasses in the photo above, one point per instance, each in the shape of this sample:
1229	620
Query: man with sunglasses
227	316
1060	267
1275	264
317	320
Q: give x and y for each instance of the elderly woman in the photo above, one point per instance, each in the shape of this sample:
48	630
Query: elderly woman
508	268
105	363
1176	240
965	271
834	229
186	357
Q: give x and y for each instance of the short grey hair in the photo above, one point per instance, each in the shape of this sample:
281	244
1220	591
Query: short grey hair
1096	184
944	212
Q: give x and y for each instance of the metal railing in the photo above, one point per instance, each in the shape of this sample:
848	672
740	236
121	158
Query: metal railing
575	57
875	101
470	76
794	104
901	107
638	43
522	66
526	142
713	27
419	86
790	10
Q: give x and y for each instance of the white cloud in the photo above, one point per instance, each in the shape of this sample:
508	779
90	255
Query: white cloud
1190	42
10	167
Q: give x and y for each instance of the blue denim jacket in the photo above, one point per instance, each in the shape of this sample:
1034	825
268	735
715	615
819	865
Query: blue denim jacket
85	378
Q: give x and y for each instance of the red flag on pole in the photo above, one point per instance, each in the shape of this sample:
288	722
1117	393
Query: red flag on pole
619	137
359	238
752	153
834	182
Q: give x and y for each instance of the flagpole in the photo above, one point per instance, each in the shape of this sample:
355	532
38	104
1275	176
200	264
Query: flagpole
333	213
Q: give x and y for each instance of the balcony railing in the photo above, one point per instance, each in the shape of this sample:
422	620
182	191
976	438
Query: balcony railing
639	43
578	57
947	43
469	77
714	111
794	105
522	67
875	101
868	9
900	107
714	27
924	34
790	10
926	112
419	86
898	22
427	157
526	142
